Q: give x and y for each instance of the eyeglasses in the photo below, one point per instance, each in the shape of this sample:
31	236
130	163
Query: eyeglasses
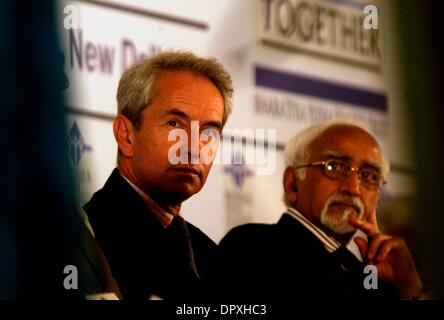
338	170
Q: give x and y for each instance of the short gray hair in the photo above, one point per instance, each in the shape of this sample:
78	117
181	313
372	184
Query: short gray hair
137	86
297	150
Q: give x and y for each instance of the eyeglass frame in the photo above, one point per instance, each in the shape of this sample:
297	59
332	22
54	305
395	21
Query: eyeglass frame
350	169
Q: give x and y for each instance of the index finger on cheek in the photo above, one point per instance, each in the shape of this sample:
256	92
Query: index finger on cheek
367	227
373	220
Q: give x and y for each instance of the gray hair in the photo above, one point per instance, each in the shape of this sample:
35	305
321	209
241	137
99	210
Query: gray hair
297	150
137	86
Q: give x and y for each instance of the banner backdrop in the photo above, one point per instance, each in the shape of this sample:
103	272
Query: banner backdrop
279	89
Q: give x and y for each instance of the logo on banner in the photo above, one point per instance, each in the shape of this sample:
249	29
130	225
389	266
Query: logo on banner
77	145
238	170
77	150
238	191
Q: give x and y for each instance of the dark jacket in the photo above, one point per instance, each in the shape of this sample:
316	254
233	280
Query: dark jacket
285	261
145	258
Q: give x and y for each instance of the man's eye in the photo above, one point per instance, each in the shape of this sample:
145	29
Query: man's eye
209	134
334	165
173	123
370	175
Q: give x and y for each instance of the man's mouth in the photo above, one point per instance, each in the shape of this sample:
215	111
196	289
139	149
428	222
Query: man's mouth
188	170
345	205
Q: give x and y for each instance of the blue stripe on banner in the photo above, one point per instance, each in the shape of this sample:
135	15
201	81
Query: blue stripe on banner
294	83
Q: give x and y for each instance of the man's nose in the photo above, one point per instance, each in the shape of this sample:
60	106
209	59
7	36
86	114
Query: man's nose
194	145
351	185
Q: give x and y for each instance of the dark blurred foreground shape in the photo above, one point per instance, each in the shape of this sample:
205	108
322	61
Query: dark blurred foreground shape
421	47
39	224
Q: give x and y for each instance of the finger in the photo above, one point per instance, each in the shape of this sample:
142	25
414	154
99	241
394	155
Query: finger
375	244
392	243
362	245
368	228
386	247
372	218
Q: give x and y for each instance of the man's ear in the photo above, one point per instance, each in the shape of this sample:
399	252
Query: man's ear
290	185
124	135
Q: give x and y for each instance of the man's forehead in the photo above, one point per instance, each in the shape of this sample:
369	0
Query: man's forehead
346	142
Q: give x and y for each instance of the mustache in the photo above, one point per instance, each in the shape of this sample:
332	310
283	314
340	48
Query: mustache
355	202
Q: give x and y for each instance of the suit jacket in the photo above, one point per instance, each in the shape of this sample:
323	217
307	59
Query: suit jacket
95	277
285	261
145	258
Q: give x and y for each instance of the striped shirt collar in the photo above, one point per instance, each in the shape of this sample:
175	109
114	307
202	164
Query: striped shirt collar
162	215
329	242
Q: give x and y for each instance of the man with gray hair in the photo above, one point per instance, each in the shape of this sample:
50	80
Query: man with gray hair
328	243
136	216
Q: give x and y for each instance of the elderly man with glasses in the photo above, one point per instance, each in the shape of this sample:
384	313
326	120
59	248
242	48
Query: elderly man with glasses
328	244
